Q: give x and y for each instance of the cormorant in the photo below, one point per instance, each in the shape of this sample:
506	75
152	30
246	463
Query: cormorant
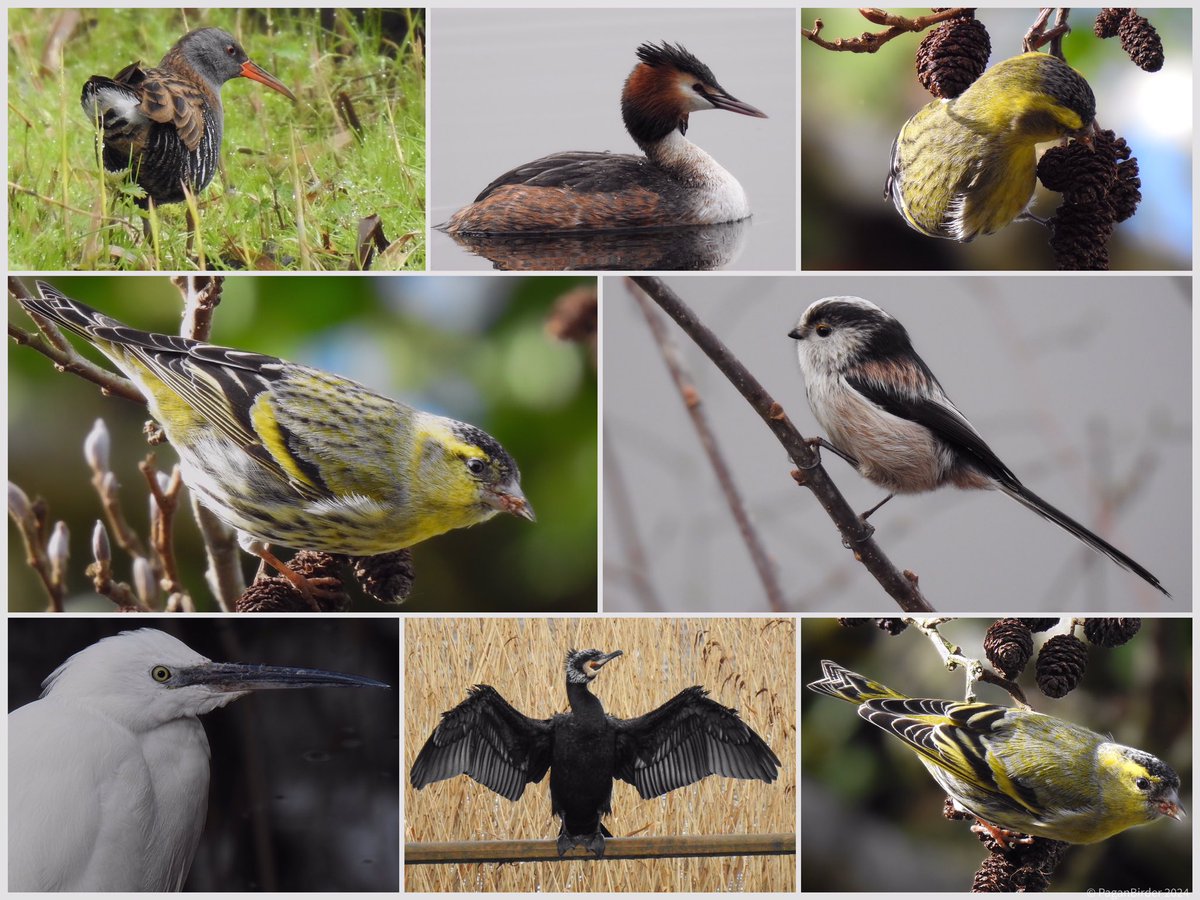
687	738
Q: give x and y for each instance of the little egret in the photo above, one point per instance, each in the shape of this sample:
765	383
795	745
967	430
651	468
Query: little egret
109	769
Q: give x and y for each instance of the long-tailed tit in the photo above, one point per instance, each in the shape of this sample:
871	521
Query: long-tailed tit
881	405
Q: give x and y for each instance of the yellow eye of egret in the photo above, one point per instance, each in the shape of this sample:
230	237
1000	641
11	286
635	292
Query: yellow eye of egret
160	674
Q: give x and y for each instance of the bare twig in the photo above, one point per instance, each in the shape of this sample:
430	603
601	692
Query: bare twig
624	524
708	442
201	295
52	344
224	563
162	535
953	658
30	526
1038	35
869	42
100	571
856	535
105	483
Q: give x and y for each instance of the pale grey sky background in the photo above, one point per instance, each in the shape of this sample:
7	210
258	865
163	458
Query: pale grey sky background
1081	384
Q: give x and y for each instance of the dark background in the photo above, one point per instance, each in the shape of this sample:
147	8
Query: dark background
304	793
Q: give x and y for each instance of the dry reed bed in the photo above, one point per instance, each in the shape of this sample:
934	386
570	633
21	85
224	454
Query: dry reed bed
749	664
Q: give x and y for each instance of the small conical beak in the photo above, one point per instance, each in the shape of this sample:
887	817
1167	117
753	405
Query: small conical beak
796	334
509	498
1087	136
721	100
1170	806
262	76
237	677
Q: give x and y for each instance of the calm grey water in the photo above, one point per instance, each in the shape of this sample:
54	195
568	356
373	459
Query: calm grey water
509	86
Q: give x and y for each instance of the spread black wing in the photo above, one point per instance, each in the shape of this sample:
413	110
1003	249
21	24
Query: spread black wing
688	738
582	172
486	738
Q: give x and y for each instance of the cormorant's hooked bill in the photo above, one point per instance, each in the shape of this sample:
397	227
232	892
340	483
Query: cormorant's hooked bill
686	739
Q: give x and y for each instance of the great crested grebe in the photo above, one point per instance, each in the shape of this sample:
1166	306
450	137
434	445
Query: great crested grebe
675	183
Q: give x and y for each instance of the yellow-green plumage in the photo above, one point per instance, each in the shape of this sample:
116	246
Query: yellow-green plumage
1017	769
295	456
967	166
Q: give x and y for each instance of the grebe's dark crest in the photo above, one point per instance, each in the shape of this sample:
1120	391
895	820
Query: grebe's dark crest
675	183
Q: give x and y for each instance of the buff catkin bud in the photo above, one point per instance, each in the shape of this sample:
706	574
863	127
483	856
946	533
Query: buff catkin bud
97	447
58	551
101	548
144	582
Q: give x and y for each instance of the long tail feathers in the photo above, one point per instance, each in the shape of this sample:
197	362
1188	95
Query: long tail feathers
1027	498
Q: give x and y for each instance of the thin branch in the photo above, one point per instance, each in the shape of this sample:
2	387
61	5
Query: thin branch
953	658
163	525
869	42
31	525
106	486
223	571
1039	36
201	295
856	534
624	522
52	344
100	571
708	442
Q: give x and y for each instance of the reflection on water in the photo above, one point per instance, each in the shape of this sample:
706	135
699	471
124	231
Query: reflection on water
513	85
693	248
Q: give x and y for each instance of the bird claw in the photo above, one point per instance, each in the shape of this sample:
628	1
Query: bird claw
311	589
593	843
322	587
819	443
1002	836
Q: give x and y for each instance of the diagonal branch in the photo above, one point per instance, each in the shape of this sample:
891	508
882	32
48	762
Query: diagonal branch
856	534
51	344
708	442
870	41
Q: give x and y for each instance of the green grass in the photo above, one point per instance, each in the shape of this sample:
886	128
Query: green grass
296	180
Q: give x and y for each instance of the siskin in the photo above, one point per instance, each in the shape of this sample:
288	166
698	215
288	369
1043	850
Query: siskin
1015	769
291	455
967	166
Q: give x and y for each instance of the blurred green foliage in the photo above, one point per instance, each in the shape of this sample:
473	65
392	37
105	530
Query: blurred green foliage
296	178
865	792
853	105
471	348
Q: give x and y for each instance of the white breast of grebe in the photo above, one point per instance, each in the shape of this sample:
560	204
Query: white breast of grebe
714	195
